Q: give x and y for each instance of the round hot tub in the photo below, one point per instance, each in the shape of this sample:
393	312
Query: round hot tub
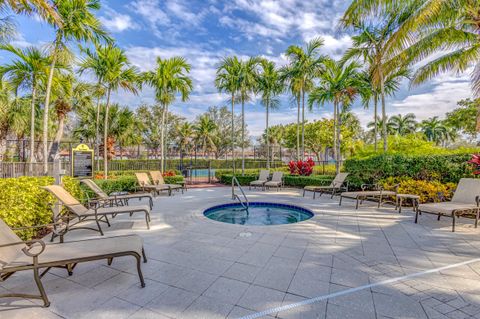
258	213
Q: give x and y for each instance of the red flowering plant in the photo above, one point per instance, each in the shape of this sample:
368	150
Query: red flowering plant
303	168
168	173
475	161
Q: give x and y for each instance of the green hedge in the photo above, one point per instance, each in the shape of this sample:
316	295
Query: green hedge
248	171
289	180
126	183
443	168
151	164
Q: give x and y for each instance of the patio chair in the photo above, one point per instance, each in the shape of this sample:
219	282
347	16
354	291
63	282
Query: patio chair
338	184
119	200
146	185
276	181
17	255
97	214
157	179
262	179
465	201
378	194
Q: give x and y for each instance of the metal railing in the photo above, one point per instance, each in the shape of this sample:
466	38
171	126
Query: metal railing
245	204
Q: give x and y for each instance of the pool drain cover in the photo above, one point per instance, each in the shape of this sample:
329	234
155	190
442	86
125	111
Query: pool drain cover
245	234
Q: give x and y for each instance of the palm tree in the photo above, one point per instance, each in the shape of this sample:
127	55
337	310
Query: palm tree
184	132
79	24
119	75
269	86
402	125
26	70
306	65
205	131
340	84
169	78
226	80
43	8
247	84
434	130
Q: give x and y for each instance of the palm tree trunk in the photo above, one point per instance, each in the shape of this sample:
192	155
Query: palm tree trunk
335	141
384	114
31	158
266	134
47	108
339	140
478	124
375	120
105	136
233	133
298	126
243	137
303	124
58	137
162	138
97	132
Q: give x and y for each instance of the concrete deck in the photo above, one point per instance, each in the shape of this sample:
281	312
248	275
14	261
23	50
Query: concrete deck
199	268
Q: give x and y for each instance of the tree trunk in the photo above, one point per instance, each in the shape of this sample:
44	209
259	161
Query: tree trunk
375	120
335	141
478	124
384	114
243	137
31	158
58	137
233	133
162	139
298	126
105	136
339	140
266	134
97	132
303	124
47	108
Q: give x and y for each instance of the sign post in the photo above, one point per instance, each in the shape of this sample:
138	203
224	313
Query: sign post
82	161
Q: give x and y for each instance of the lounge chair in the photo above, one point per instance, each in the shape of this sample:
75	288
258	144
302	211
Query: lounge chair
262	179
465	201
118	200
146	185
276	181
97	214
338	184
378	193
17	255
157	179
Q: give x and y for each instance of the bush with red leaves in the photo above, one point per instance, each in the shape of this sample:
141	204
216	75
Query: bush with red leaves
168	173
303	168
475	161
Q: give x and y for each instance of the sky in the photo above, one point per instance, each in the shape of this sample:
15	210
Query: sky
205	31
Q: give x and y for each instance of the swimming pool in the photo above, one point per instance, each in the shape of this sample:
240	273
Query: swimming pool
259	213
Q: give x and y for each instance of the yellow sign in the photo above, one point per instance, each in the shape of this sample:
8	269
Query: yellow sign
82	161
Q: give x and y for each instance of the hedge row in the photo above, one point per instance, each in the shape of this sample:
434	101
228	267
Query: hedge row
135	164
126	183
289	180
442	168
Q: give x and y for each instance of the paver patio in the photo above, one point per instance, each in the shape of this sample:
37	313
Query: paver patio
198	268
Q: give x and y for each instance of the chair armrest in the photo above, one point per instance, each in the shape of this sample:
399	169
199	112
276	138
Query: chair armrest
372	186
29	243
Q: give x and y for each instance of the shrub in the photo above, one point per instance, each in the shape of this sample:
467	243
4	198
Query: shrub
443	168
243	180
128	183
249	171
429	191
24	203
73	186
289	180
304	168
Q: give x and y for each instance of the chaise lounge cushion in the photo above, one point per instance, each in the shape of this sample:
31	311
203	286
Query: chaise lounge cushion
367	193
446	208
69	252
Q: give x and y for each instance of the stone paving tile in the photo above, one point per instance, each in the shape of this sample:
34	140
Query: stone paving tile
196	281
340	312
261	298
172	302
144	295
207	308
315	310
227	290
242	272
147	314
398	306
361	300
114	308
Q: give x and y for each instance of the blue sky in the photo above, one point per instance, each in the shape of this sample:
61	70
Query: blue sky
204	31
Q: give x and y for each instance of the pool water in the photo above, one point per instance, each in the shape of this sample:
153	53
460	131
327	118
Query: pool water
259	213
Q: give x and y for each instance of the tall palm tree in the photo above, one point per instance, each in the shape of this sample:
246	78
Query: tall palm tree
184	132
205	131
434	130
27	69
306	65
227	80
247	84
374	44
169	78
120	75
43	8
79	24
269	85
402	125
340	84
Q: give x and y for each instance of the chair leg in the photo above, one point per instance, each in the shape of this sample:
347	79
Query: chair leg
109	261
98	226
453	222
106	219
416	215
38	281
340	202
476	218
144	256
356	205
147	218
139	270
304	193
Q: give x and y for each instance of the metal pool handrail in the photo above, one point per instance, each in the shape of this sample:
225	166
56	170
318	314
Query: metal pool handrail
235	196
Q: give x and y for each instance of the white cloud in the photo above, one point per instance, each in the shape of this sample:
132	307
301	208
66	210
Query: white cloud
117	22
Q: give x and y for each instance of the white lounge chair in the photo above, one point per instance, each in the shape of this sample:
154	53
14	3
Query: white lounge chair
377	194
465	201
338	184
276	181
262	179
